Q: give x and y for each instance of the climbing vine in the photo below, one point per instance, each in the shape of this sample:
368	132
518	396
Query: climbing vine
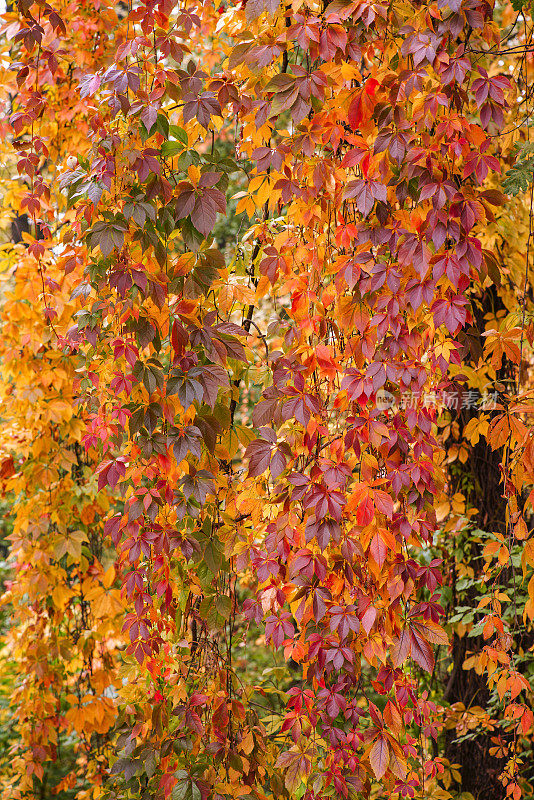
311	435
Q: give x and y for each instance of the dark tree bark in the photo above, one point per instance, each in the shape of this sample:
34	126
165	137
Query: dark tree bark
479	479
19	225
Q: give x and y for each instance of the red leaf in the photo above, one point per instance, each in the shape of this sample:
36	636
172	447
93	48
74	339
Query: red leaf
421	651
378	549
368	619
379	756
401	648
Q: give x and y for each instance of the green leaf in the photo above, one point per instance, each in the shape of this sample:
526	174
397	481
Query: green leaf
519	177
162	125
150	764
208	611
213	556
135	422
179	134
181	789
223	605
170	149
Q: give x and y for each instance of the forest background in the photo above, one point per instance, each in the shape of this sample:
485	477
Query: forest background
266	452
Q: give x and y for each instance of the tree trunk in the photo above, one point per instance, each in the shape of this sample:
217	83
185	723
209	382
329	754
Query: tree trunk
479	479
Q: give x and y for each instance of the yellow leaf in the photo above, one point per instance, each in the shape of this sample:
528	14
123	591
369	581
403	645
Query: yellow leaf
61	595
247	743
108	577
528	551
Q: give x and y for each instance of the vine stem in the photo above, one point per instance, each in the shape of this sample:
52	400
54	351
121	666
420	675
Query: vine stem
525	284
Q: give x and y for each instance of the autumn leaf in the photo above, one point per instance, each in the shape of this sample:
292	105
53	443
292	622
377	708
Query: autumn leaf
379	756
